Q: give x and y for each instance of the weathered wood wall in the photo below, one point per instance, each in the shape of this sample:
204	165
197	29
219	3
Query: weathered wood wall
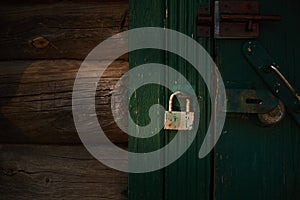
41	49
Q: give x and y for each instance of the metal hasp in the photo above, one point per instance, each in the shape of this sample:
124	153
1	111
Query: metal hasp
269	71
231	19
250	101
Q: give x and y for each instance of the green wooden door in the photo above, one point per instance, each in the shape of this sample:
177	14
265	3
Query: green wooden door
250	161
253	161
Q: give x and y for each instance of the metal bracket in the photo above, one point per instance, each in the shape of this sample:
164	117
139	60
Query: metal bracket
232	19
268	70
250	101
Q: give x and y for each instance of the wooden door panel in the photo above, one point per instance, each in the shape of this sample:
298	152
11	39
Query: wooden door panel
250	161
253	161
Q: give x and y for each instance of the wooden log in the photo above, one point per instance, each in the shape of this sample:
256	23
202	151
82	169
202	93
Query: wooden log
36	101
58	30
57	172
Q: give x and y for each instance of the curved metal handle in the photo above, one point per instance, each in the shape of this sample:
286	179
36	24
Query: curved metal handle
188	101
286	82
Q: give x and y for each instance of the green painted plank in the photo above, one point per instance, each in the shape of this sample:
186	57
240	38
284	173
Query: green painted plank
146	185
188	177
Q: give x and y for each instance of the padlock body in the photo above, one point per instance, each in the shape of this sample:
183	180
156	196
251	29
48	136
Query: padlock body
175	120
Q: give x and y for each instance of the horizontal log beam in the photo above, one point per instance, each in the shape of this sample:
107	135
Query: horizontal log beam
36	101
57	172
63	30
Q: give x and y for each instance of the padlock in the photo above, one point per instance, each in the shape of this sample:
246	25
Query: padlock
175	120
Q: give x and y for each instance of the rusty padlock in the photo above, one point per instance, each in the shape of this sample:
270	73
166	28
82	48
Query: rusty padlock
175	120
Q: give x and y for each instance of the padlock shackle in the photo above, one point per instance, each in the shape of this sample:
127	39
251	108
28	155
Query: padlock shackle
171	100
188	101
188	104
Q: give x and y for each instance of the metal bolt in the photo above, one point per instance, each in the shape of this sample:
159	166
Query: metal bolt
249	50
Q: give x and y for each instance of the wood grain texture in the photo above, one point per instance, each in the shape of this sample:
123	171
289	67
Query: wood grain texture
71	30
57	172
36	101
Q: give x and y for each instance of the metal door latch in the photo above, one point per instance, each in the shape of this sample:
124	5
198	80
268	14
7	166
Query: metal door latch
231	19
269	71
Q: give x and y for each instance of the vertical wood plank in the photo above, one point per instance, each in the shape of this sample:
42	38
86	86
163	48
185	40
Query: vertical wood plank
189	177
147	185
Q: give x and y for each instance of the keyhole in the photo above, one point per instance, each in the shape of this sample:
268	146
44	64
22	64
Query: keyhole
254	101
